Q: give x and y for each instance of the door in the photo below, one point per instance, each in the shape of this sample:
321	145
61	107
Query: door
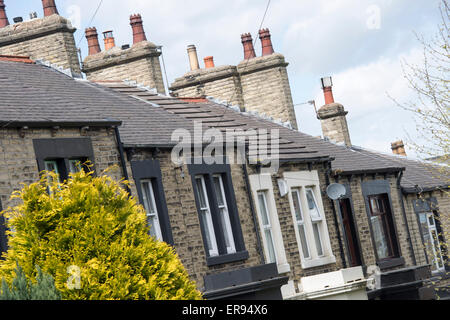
350	233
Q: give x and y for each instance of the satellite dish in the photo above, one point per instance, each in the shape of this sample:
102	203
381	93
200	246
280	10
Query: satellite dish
336	191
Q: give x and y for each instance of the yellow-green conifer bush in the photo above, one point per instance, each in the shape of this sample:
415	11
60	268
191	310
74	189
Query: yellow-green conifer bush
93	239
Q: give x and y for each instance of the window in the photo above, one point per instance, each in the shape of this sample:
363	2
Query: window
300	223
218	215
382	229
150	208
267	227
308	215
224	216
148	178
432	240
63	156
205	216
316	219
263	193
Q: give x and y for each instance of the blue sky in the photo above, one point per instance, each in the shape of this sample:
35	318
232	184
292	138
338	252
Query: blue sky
358	42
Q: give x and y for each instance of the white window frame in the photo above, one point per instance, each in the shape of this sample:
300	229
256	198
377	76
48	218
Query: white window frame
148	203
263	182
223	210
268	246
303	181
300	223
213	251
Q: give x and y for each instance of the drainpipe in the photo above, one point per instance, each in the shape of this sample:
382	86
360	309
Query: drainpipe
122	158
400	194
336	224
252	209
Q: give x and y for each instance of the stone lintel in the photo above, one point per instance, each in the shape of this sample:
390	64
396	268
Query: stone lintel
118	56
202	76
262	63
33	29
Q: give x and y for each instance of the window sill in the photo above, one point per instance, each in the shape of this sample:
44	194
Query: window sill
391	263
227	258
318	262
284	268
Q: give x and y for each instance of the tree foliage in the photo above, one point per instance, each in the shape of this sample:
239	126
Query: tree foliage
93	239
23	289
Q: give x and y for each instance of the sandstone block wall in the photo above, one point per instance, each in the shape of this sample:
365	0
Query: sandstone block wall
222	83
50	39
185	221
18	158
139	63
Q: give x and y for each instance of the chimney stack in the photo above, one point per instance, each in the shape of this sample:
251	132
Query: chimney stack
92	39
209	62
138	28
109	40
327	87
193	57
249	50
266	42
3	18
49	7
398	148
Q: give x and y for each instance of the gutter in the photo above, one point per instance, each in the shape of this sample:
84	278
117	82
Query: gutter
336	224
122	158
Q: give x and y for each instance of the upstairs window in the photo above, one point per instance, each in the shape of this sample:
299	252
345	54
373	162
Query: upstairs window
148	196
218	215
382	227
267	226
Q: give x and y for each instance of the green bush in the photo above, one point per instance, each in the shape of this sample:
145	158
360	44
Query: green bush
23	289
90	225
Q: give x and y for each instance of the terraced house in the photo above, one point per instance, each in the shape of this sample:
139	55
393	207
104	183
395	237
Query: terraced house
258	222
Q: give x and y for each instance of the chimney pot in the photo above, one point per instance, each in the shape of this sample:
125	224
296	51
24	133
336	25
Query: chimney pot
327	86
193	57
92	39
247	42
209	62
109	40
49	7
398	148
266	42
3	17
138	28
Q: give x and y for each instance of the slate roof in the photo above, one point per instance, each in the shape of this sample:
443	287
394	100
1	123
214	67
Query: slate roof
36	94
294	145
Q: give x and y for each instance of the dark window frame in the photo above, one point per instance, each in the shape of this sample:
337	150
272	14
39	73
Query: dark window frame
208	171
62	150
151	170
375	188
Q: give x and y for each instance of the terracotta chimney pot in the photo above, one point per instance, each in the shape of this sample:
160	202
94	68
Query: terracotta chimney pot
209	62
266	42
109	40
398	148
138	28
249	50
49	7
193	57
3	18
92	39
327	86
